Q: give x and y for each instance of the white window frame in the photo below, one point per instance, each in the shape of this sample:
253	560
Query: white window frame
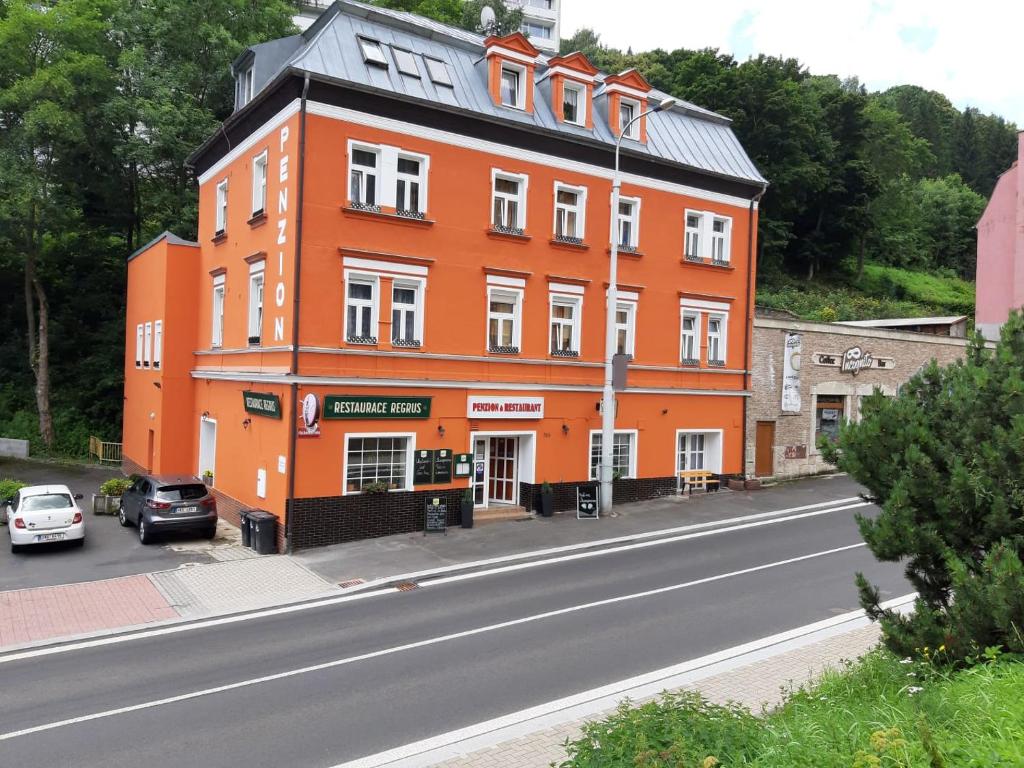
420	179
505	293
257	291
711	246
629	307
419	287
574	300
595	437
410	451
633	132
722	336
217	312
580	209
695	336
713	439
376	173
158	343
520	198
373	281
259	183
139	335
521	84
247	82
147	355
634	220
221	216
581	102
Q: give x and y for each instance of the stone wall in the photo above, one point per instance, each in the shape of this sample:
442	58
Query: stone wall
794	451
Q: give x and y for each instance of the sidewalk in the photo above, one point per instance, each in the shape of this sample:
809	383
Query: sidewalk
757	685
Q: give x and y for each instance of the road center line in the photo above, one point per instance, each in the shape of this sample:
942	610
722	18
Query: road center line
412	646
379	589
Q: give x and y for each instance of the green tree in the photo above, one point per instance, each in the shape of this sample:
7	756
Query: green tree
445	11
945	461
506	20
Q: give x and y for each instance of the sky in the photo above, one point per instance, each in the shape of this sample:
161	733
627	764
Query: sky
972	52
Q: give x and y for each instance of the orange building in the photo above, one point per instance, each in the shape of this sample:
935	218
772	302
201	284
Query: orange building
399	287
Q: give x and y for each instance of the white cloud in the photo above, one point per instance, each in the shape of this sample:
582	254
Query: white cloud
969	52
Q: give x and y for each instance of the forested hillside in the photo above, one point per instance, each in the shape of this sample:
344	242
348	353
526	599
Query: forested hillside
871	208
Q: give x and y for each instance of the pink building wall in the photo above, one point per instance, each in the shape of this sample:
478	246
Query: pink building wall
1000	273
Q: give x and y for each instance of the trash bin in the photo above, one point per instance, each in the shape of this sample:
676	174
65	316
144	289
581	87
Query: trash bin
264	532
246	526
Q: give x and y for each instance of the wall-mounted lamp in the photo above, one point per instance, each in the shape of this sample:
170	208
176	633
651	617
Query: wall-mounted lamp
205	416
440	429
664	411
156	384
565	429
246	423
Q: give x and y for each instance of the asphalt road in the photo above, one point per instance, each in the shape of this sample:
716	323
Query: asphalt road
109	550
348	683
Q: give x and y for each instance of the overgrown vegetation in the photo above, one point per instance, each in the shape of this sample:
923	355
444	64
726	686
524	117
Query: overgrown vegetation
944	460
8	488
878	713
115	486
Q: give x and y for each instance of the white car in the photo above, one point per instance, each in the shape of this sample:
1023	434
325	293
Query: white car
40	514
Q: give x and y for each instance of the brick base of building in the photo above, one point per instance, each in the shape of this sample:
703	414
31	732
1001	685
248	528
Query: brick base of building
317	522
129	467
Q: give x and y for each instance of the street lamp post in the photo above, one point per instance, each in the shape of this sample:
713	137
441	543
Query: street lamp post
606	467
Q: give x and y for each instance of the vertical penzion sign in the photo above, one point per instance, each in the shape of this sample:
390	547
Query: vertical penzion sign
283	232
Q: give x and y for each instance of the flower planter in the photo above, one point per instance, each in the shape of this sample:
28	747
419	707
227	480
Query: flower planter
105	505
547	504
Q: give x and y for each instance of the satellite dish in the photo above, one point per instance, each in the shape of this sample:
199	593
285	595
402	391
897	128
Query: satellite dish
487	17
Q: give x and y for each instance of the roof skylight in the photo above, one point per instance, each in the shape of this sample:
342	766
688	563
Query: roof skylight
372	52
406	62
438	71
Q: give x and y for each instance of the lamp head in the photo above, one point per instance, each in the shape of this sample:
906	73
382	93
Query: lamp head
666	103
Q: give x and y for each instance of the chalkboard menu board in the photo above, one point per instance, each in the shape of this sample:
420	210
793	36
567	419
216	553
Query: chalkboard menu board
442	466
587	502
423	467
436	520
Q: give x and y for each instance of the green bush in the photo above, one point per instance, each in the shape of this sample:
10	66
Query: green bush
8	488
881	712
115	486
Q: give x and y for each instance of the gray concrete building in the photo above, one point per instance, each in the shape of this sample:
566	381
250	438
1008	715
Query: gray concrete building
807	379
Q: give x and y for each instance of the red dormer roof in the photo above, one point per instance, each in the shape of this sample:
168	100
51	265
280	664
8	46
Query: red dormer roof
515	42
630	79
575	61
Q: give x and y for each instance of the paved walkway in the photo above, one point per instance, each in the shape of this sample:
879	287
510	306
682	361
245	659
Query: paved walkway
32	615
756	686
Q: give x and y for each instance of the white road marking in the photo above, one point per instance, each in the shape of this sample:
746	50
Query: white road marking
639	545
490	733
418	644
375	588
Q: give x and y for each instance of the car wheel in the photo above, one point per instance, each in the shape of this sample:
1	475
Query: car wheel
209	533
15	549
122	518
145	536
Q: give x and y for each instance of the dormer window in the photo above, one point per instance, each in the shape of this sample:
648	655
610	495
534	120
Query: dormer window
628	110
512	87
246	87
574	103
372	52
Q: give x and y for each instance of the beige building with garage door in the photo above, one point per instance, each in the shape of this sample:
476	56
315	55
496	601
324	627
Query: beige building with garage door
809	378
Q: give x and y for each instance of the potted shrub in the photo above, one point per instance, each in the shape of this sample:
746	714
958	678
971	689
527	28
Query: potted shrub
466	508
378	487
8	488
208	477
547	500
108	500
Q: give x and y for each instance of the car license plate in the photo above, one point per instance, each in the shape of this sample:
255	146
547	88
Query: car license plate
186	510
50	536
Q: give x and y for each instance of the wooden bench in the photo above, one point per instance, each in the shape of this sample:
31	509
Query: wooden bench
698	478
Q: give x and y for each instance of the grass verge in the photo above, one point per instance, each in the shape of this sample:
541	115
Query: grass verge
877	713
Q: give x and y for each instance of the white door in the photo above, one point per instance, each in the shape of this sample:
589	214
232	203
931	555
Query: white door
207	447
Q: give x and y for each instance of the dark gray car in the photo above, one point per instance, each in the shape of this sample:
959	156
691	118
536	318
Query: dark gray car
154	504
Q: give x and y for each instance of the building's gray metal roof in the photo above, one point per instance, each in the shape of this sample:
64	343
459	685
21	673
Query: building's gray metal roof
904	321
172	239
687	135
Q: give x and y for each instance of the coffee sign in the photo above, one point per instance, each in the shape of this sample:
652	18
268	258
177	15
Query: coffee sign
505	408
855	360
